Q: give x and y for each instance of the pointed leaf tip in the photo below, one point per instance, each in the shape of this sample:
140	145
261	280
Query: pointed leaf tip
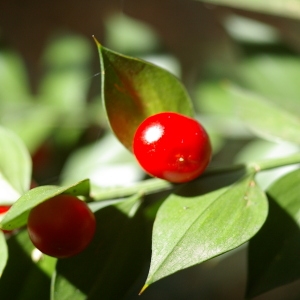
96	41
143	289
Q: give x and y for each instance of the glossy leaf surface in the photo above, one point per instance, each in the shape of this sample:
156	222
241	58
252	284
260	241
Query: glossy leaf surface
274	251
15	167
190	230
18	213
133	89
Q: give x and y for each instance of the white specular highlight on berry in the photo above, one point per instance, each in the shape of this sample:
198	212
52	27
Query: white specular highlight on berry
154	133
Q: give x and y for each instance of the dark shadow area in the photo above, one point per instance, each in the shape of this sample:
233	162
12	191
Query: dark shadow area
113	261
221	278
210	182
22	279
274	253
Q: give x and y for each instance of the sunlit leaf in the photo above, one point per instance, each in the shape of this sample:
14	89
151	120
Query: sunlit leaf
111	263
17	216
126	34
265	118
15	167
288	8
106	163
190	230
274	251
13	79
134	89
274	77
31	122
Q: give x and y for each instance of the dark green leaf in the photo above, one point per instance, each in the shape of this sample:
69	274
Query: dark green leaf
111	263
17	215
134	89
274	251
15	167
3	252
25	278
288	8
190	230
266	118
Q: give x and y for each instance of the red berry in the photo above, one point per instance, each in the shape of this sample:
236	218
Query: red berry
172	146
3	211
4	208
61	226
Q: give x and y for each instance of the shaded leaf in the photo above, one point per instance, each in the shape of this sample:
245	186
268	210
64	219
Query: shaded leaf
133	89
190	230
274	251
3	252
23	278
17	215
288	8
111	263
266	118
15	167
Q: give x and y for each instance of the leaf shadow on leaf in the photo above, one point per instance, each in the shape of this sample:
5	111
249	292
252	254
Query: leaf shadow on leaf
210	182
273	254
23	273
110	265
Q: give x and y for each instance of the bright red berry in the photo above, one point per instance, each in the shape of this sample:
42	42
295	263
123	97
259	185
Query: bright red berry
172	146
61	226
4	208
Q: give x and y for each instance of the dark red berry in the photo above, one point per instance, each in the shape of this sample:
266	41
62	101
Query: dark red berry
61	226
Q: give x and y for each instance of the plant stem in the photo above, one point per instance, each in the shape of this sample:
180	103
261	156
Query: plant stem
145	187
154	185
274	163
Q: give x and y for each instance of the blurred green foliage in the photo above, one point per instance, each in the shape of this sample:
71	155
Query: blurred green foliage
65	130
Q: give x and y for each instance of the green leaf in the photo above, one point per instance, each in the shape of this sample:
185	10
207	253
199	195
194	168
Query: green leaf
190	230
111	263
288	8
3	253
106	163
32	122
13	78
25	277
15	167
133	89
265	118
274	77
129	35
274	252
17	215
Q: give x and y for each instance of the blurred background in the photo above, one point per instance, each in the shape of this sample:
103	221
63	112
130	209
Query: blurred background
50	96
